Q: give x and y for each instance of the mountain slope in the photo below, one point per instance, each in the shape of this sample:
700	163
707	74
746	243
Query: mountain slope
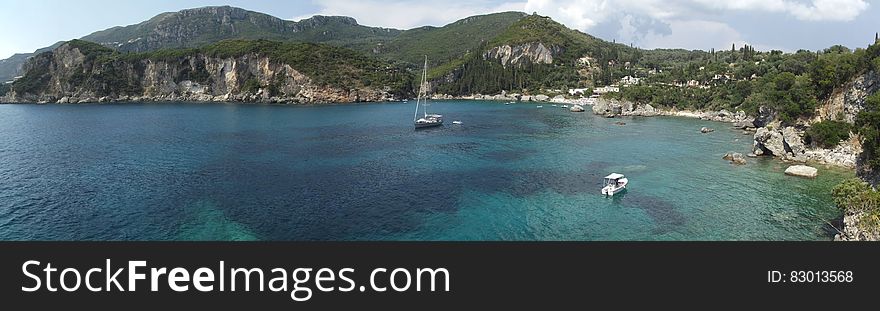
232	70
450	42
196	27
200	26
534	53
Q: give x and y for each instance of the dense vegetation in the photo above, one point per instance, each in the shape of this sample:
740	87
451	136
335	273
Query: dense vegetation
449	43
4	88
473	73
868	126
827	134
109	72
855	196
746	79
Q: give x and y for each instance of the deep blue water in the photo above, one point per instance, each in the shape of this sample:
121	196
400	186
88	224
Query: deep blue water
360	172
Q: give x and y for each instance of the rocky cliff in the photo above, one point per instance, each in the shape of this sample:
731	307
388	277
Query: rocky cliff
534	53
74	73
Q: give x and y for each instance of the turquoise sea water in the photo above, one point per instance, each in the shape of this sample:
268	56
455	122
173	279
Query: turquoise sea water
360	172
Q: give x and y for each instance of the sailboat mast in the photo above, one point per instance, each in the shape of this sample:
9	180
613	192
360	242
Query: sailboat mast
424	85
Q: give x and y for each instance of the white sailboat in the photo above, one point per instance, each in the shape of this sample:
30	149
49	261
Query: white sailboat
428	120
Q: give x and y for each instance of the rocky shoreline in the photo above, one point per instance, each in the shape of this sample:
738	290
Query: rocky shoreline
770	138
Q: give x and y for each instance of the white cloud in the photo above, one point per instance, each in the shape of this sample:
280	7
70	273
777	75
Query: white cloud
815	10
695	34
402	14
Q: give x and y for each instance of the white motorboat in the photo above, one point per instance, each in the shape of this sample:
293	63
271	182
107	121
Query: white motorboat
540	107
614	184
456	122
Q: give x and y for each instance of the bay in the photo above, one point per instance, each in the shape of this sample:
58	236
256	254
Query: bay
177	171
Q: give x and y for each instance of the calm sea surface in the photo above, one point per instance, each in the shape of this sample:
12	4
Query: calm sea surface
360	172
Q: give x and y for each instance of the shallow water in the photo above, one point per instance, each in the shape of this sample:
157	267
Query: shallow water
359	172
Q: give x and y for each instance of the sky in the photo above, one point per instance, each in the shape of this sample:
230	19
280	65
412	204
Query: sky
692	24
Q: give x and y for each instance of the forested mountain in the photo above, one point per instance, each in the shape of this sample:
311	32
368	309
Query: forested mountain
230	70
196	27
536	53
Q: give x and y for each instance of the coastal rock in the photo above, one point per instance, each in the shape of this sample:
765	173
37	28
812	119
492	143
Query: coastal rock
769	142
576	108
542	98
802	171
735	158
641	110
845	154
853	231
794	144
607	107
744	124
705	130
765	116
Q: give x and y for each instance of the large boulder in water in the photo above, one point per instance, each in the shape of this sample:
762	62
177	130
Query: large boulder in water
802	171
705	130
576	108
735	158
542	98
769	142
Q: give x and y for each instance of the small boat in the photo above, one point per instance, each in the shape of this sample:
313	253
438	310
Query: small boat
456	122
614	184
564	106
506	104
554	105
540	107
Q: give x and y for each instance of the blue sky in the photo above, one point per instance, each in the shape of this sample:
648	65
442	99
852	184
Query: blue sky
693	24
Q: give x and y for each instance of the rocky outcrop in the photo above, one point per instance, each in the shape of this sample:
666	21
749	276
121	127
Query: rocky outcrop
608	107
735	158
576	108
786	143
705	130
802	171
764	117
853	230
847	101
71	77
530	53
643	111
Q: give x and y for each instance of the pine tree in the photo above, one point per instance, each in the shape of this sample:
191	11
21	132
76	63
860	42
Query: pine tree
733	48
876	37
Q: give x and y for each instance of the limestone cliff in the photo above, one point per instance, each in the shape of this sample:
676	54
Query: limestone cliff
71	75
534	53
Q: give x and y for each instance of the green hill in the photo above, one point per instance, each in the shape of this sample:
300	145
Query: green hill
477	72
450	42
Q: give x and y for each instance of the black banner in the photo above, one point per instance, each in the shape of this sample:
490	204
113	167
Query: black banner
400	275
